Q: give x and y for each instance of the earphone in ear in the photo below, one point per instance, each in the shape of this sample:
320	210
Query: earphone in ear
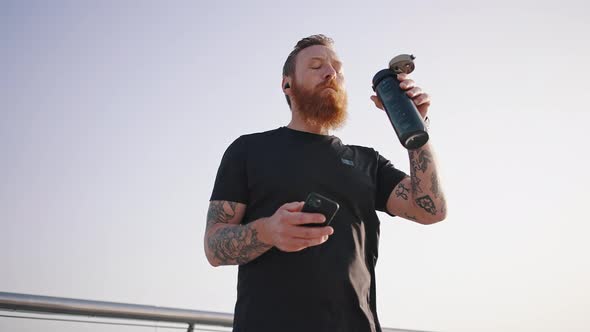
287	86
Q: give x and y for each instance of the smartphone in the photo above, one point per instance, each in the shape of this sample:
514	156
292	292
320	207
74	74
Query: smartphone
316	203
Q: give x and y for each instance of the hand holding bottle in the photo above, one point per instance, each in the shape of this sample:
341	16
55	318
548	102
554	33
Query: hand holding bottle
406	104
420	98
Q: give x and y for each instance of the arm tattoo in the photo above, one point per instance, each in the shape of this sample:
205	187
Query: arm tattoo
429	198
424	158
410	217
219	213
414	167
237	244
402	191
434	180
415	183
437	193
232	244
426	203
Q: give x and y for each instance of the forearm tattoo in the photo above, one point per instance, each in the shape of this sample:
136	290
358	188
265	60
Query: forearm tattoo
427	204
402	191
232	244
437	192
420	160
416	166
237	244
410	217
219	214
415	183
434	182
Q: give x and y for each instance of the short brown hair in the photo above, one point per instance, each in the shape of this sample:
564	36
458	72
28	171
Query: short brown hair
289	66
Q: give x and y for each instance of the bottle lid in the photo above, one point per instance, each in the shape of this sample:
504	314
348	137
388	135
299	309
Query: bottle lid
403	63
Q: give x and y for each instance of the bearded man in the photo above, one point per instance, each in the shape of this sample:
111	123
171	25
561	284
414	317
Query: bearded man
293	277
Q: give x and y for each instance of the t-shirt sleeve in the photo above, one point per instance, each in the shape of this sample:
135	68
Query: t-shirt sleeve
387	178
231	183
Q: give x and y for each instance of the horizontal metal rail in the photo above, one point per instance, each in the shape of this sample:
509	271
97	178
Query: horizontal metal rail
78	307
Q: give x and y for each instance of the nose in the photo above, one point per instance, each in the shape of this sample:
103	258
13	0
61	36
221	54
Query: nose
330	72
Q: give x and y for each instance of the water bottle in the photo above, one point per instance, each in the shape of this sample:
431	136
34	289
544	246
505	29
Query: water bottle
400	109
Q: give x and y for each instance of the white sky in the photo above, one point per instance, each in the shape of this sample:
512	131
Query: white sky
114	117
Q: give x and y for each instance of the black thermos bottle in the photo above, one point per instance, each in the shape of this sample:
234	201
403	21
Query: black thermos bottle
400	109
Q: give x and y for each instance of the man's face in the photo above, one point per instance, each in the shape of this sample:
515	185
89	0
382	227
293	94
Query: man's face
318	87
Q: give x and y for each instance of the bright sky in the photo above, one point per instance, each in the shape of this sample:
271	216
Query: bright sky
114	118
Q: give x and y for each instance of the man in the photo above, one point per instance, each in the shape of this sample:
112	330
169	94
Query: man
294	277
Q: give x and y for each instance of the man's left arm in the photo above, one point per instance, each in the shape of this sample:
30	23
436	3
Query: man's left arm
418	197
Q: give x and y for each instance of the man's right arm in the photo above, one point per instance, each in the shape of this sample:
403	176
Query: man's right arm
227	242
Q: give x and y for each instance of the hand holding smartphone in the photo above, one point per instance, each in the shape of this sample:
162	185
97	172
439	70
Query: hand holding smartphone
316	203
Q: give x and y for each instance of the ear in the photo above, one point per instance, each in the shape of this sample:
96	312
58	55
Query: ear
286	83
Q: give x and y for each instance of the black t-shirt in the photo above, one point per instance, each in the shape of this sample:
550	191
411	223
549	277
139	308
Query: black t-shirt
330	287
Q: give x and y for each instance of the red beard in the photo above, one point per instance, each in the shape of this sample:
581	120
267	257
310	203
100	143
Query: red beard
321	107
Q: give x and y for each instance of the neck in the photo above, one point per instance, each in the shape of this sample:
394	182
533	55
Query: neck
297	123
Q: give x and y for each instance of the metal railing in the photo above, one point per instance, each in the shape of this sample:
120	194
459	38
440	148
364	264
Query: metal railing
77	307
